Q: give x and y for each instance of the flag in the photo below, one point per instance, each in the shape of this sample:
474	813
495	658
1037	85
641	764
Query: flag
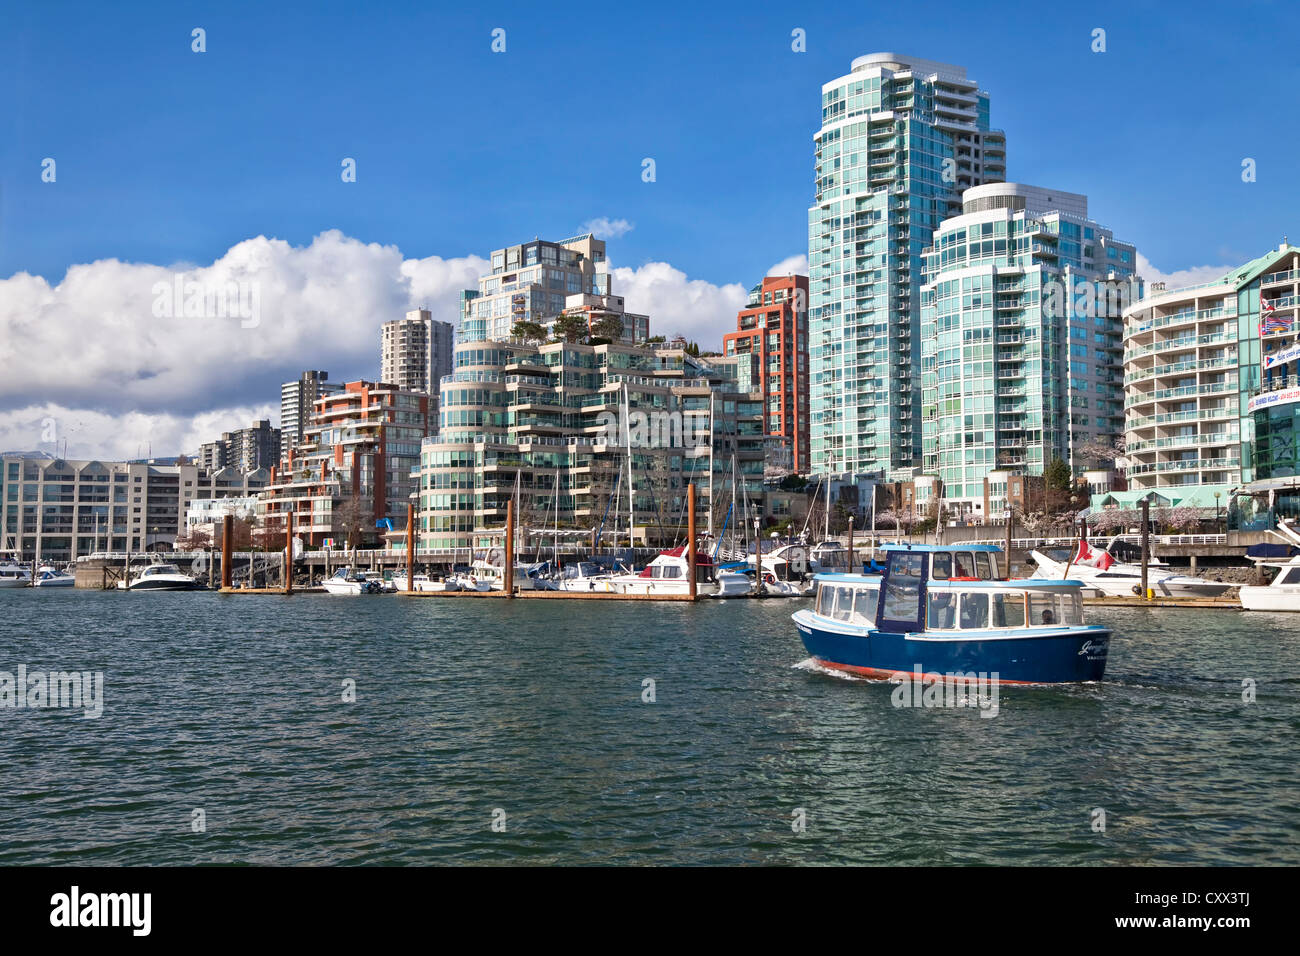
1271	324
1093	557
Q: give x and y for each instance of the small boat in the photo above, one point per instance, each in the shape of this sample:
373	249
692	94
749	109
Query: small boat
585	576
668	573
48	576
347	581
423	582
1102	573
159	577
14	575
920	616
1283	592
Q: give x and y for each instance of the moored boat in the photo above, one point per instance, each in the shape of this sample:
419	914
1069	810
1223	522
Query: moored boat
347	581
1113	578
48	576
159	577
1282	594
921	615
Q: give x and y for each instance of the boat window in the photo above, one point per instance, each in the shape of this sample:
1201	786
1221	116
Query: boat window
984	566
865	602
941	566
843	604
824	595
974	610
963	564
1071	609
1009	609
1290	576
943	611
1042	608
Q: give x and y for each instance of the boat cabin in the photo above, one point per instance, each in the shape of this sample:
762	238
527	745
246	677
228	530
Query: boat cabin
923	591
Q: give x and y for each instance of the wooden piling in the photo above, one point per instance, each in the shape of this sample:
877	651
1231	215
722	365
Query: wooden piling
227	534
410	546
1008	550
690	538
1146	544
288	551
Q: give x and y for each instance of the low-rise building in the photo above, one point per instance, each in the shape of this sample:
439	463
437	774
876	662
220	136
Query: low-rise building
58	509
351	477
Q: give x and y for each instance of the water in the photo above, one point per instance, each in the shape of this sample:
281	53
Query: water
233	705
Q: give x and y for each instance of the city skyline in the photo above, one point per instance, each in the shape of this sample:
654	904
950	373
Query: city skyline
684	249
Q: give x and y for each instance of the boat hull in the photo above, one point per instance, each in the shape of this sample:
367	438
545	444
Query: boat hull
1275	598
1029	656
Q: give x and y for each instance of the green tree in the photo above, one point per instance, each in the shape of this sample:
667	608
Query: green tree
570	327
608	328
1057	476
529	331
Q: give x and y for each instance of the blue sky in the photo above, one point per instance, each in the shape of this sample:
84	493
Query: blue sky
170	160
165	155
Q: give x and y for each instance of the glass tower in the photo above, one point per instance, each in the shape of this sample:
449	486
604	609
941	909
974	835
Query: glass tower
901	138
1021	334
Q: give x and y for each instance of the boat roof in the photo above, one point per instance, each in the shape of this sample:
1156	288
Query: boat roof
942	548
1016	583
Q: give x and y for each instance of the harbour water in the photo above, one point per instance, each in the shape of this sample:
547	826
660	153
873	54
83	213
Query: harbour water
534	714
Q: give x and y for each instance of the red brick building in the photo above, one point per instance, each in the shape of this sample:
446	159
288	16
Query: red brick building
772	331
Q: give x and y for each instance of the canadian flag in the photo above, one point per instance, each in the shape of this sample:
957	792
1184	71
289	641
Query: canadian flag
1093	557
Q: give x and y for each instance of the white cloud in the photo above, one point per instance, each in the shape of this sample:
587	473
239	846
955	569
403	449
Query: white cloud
1195	275
695	308
93	348
605	228
790	266
90	354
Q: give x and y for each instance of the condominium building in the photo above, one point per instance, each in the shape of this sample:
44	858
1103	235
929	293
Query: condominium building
245	449
296	402
1209	370
58	510
558	426
901	138
1021	337
772	332
416	351
351	476
531	282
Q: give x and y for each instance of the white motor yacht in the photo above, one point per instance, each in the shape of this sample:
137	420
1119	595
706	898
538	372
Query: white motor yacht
159	577
48	576
347	581
1118	579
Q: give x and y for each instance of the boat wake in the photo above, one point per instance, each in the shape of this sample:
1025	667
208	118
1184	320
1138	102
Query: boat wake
811	664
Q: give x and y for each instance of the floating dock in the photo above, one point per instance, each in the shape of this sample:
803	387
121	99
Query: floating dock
554	595
1230	604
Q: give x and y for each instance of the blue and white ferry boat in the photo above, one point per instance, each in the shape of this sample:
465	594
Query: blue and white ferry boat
944	610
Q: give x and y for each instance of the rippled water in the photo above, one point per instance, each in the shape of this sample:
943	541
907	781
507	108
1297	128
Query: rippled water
234	705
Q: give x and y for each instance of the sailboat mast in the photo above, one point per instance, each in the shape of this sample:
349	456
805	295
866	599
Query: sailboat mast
710	463
631	500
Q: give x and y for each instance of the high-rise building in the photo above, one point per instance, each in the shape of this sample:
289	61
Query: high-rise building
58	510
245	449
352	472
772	333
1210	380
1021	334
416	352
901	138
531	282
296	401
